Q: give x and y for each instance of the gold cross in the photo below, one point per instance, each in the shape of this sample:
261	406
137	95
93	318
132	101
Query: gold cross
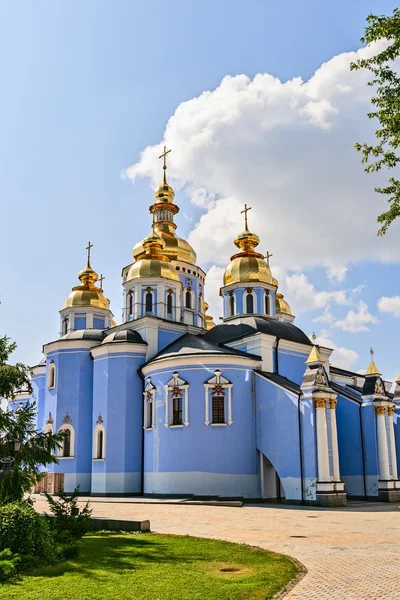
101	279
268	256
245	211
88	247
164	156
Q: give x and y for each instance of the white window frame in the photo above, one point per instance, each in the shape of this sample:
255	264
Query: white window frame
52	369
96	432
153	312
149	395
267	298
228	304
209	386
192	299
169	387
64	427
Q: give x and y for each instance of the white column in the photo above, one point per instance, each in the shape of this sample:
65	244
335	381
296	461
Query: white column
392	442
383	451
166	403
322	440
186	407
335	449
207	417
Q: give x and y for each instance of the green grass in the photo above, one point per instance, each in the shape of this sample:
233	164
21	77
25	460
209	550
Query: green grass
157	567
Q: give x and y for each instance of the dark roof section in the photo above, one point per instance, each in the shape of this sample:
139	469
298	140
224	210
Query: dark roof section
193	345
85	334
124	336
344	372
286	331
284	382
346	392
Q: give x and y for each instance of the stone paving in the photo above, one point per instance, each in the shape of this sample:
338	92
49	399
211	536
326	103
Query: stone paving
350	553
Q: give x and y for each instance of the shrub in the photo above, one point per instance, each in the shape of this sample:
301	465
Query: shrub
24	531
69	523
8	565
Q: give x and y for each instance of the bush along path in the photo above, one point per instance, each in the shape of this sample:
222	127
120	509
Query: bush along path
157	567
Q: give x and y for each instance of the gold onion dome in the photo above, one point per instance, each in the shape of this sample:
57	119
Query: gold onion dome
208	320
164	209
87	294
247	265
152	261
282	306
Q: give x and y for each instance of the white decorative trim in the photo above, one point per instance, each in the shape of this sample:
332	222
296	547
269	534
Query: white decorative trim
173	383
118	348
96	432
218	380
51	377
255	304
205	359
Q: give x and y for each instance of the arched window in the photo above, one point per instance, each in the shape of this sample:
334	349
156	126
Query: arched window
188	299
100	444
130	303
149	414
266	303
200	303
231	305
249	304
52	376
149	302
65	326
66	449
177	409
169	304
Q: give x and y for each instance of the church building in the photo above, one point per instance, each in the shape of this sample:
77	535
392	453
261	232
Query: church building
168	403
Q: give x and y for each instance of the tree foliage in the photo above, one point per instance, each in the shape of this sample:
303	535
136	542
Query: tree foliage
386	103
13	378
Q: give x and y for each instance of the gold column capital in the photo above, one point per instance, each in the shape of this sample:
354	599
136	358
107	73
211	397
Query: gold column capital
391	411
319	402
333	403
380	410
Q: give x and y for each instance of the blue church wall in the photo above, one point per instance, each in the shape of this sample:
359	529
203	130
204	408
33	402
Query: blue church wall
165	337
350	446
309	448
291	364
396	423
278	434
371	449
38	395
200	459
80	321
118	398
98	322
73	394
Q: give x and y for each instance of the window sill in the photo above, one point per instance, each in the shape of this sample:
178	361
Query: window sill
148	428
218	424
53	387
175	426
65	457
98	459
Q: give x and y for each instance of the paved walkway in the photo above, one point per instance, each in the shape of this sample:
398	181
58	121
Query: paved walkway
350	554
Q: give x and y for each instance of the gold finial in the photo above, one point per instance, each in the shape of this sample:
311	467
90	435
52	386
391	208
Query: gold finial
164	156
101	279
372	368
314	337
245	211
268	256
88	248
315	357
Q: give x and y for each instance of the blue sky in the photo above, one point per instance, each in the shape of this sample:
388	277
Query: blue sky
87	86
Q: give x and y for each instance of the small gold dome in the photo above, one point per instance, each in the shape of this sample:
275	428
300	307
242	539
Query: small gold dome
282	306
208	320
164	193
247	265
152	261
87	294
175	248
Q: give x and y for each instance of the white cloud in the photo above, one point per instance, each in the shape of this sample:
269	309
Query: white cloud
303	296
390	305
326	317
357	321
214	282
337	272
287	149
341	357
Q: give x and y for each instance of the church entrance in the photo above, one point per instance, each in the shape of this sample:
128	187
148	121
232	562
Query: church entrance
271	486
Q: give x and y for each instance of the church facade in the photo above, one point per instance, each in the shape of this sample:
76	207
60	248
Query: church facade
168	403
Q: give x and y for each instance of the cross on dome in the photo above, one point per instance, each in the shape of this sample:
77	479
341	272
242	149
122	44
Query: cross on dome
164	156
88	248
245	211
101	279
268	256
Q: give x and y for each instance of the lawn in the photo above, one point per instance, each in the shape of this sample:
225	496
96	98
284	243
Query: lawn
157	567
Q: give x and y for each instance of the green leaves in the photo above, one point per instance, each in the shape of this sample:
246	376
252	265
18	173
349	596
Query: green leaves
387	104
13	378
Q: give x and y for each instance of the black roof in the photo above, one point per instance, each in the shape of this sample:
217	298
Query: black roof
344	372
189	345
284	382
345	391
286	331
85	334
124	336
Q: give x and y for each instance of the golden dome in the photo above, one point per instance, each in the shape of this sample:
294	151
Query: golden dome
281	305
164	193
275	282
152	261
208	320
87	294
247	265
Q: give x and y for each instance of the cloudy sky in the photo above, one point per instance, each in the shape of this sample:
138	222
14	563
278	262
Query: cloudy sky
258	105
